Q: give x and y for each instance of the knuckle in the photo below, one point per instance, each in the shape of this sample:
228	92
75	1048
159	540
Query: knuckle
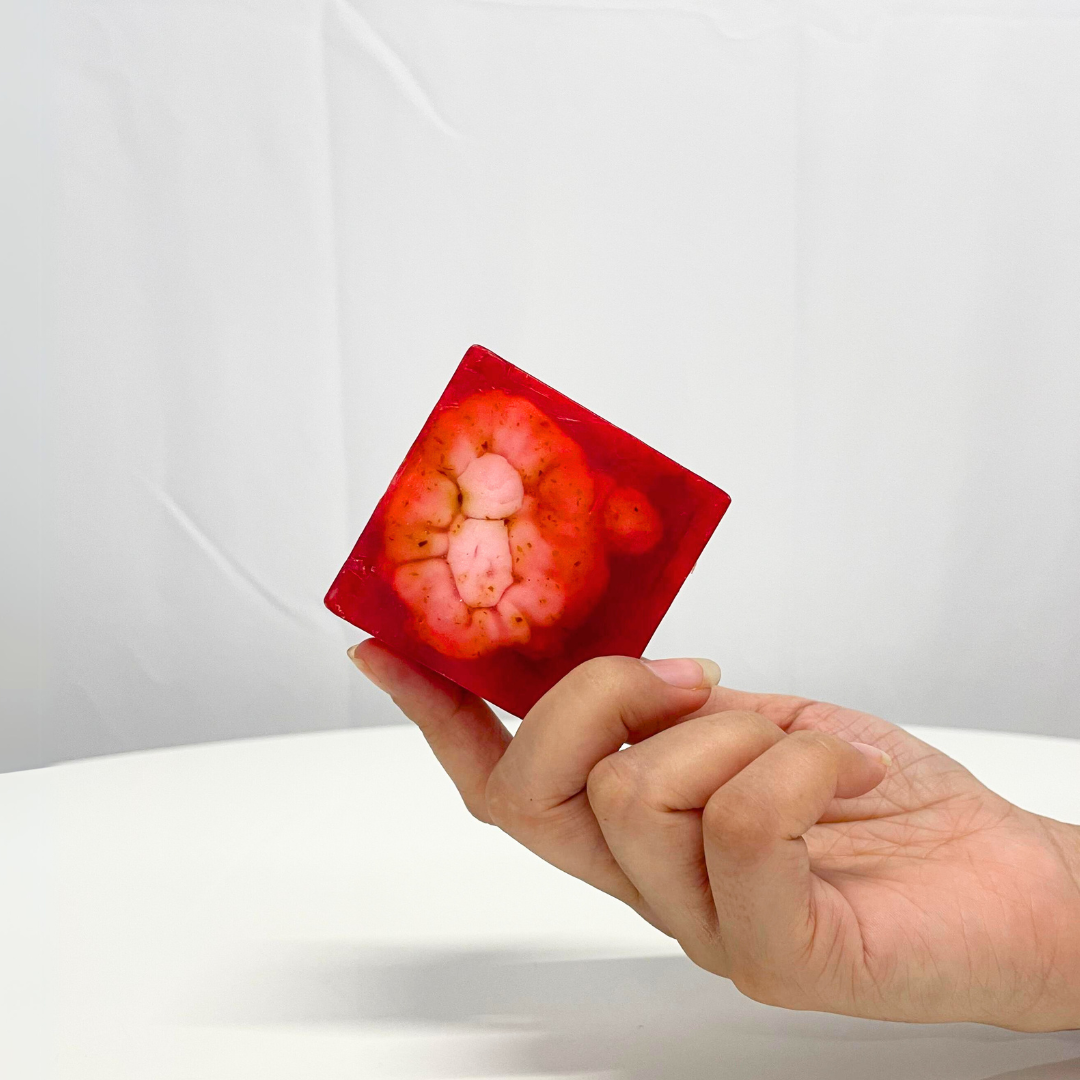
818	748
478	811
814	742
601	676
705	954
738	827
745	716
776	981
758	984
760	726
614	783
503	803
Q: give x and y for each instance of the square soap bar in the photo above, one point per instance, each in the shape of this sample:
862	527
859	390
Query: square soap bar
521	536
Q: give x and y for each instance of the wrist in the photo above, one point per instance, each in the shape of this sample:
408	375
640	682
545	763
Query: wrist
1066	841
1066	838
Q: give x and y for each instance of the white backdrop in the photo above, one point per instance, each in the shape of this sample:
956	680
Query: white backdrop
826	254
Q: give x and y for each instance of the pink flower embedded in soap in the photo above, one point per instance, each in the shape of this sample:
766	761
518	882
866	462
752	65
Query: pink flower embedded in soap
521	536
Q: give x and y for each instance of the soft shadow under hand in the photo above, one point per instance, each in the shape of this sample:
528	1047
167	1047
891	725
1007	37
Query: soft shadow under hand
637	1018
1058	1070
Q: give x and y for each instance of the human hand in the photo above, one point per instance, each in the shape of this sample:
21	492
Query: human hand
754	830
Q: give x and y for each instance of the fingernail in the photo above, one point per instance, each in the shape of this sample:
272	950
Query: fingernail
873	754
687	674
364	669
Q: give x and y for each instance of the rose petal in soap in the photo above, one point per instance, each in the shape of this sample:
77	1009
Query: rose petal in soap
632	524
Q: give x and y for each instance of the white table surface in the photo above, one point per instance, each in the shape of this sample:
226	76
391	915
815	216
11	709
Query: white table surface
321	906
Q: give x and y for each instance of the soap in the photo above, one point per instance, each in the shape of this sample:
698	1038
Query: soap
521	536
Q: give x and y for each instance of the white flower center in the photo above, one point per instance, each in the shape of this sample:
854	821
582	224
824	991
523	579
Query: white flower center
480	561
491	488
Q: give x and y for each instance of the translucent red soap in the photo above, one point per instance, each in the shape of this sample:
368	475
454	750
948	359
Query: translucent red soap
522	535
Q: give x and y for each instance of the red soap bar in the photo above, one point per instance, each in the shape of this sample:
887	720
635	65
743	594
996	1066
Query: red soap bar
521	536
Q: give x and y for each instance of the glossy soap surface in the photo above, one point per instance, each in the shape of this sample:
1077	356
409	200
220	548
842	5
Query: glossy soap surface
521	536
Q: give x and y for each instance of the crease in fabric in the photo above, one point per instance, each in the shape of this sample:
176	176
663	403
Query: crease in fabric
393	64
229	567
329	220
760	19
843	21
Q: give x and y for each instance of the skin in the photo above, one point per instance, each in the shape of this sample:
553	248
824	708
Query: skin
772	839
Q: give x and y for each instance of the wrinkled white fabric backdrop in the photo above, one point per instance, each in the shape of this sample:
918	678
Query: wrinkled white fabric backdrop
826	254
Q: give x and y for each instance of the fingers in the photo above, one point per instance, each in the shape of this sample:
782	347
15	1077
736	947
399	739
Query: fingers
466	737
594	710
648	800
701	822
537	791
767	900
796	713
533	786
781	709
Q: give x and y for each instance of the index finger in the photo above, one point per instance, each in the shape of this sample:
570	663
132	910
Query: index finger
537	791
588	715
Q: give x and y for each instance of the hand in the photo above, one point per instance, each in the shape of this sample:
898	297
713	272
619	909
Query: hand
774	841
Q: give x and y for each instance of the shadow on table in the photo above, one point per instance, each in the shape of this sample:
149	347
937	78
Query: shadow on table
1057	1070
632	1018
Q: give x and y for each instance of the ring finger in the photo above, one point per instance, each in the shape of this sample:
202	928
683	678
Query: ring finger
648	800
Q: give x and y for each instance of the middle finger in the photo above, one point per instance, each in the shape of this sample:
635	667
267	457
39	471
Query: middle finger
536	792
648	801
